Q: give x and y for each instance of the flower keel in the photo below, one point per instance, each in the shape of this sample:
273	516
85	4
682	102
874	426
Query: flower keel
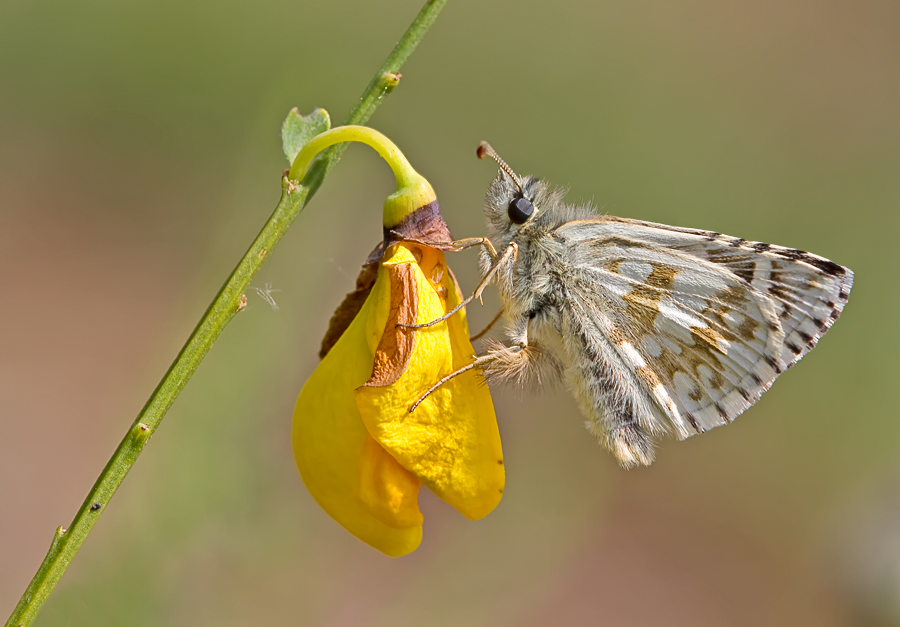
360	451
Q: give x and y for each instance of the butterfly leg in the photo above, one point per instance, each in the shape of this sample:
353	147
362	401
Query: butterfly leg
520	362
456	245
508	254
500	353
526	363
469	242
479	361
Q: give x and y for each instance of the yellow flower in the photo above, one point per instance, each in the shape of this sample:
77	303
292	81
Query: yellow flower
360	451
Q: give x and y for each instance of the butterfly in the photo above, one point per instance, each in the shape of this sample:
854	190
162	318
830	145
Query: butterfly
655	329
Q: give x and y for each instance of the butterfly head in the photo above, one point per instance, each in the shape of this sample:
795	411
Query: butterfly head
513	202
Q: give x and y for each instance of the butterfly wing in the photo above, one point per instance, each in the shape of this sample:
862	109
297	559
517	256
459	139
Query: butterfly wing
703	323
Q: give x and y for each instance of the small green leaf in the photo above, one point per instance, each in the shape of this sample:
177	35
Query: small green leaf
298	129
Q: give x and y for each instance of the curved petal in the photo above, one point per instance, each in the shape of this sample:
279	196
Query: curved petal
451	441
387	490
349	474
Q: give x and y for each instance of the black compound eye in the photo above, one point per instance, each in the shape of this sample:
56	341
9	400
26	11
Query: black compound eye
520	209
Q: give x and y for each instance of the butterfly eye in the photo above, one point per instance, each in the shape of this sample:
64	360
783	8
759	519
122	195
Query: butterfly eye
520	209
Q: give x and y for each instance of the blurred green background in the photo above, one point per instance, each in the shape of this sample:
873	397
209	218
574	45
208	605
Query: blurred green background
140	154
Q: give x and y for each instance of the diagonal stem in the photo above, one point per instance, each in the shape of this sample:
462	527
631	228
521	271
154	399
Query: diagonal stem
228	302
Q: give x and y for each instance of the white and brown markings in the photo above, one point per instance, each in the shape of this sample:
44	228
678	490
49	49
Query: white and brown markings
654	328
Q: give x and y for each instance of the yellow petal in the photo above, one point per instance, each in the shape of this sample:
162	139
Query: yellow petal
333	451
387	490
451	441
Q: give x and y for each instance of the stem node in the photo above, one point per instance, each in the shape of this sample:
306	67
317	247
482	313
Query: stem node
294	199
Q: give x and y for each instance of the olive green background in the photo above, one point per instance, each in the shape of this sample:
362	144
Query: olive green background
140	154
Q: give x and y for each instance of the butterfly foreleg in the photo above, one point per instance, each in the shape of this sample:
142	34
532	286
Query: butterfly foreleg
455	245
469	242
508	255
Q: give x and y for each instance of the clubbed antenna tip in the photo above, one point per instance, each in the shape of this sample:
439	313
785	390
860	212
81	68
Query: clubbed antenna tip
484	148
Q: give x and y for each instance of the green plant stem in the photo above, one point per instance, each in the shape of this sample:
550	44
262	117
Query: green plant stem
228	302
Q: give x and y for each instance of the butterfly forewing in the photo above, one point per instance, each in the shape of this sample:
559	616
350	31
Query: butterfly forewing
701	322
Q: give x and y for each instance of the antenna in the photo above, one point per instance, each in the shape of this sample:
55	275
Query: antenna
484	148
